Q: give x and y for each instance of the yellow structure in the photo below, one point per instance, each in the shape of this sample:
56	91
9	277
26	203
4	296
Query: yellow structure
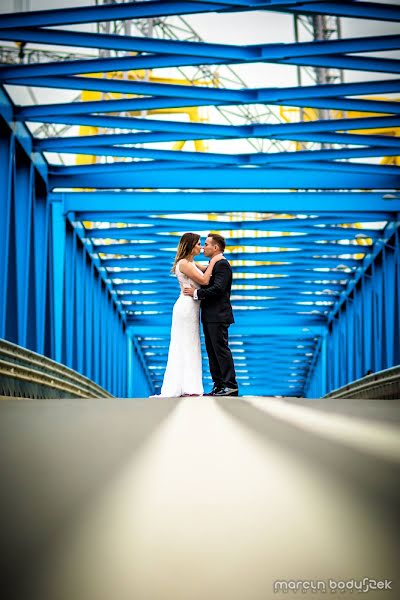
291	114
195	114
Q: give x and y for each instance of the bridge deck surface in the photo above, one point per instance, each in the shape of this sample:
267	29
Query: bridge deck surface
196	498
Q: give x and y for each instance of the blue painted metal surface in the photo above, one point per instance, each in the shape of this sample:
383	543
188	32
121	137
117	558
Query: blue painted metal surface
48	301
312	235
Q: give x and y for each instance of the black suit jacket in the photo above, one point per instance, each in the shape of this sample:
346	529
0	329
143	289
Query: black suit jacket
216	305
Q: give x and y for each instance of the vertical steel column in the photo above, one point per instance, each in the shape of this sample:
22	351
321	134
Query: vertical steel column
367	340
129	370
89	316
7	145
57	276
323	366
69	347
79	331
96	326
23	222
41	246
103	337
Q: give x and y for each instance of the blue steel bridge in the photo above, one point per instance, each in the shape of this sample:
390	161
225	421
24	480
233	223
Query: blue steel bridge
120	129
310	210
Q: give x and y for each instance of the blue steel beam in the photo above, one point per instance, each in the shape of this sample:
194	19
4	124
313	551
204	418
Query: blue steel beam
225	52
238	159
48	111
172	130
146	138
306	277
305	245
204	202
266	224
149	166
273	178
40	233
306	235
127	63
128	205
7	142
278	262
208	158
211	96
24	201
223	131
321	252
152	9
381	65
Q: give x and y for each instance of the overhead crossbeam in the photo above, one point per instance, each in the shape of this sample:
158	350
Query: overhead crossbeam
165	53
230	178
208	95
152	9
224	52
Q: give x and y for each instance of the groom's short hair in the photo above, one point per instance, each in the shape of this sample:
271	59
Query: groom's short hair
218	240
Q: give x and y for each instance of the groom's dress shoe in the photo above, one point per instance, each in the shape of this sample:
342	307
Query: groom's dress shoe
214	391
227	391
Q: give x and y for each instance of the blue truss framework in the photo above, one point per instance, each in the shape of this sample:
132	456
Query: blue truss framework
312	236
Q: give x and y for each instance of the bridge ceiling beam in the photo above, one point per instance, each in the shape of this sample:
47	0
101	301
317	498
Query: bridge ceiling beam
119	206
272	178
304	248
96	206
211	131
48	111
152	9
175	54
224	52
158	158
134	233
210	96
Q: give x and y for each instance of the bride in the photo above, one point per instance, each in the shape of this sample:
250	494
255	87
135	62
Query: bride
183	375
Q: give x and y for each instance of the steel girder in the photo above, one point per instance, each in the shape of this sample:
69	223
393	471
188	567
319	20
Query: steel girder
170	53
141	10
309	265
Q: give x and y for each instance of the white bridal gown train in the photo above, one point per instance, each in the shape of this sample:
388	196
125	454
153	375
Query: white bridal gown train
183	374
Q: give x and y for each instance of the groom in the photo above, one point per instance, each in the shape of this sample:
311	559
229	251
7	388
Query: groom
216	316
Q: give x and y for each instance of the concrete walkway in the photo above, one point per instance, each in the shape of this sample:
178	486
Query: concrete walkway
196	499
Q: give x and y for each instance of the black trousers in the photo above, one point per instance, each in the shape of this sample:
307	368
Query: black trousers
220	358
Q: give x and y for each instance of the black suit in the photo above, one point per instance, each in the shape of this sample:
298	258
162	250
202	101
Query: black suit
216	316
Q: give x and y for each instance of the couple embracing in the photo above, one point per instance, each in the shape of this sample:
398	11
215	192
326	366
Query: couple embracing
206	289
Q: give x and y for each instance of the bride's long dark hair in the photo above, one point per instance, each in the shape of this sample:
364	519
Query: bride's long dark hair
185	247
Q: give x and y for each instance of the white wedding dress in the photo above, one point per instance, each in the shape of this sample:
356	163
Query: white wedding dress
184	374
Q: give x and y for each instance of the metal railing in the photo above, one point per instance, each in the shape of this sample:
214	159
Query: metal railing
26	374
383	385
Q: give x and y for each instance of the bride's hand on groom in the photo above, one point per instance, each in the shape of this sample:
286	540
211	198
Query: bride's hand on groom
215	259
